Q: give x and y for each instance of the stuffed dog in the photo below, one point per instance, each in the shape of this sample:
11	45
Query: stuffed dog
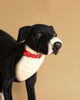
21	59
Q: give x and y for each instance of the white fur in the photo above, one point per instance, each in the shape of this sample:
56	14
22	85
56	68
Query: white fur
1	96
51	43
27	66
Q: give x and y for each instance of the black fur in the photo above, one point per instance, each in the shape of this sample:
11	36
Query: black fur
11	52
39	44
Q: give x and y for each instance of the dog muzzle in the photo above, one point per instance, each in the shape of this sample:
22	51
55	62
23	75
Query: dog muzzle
54	45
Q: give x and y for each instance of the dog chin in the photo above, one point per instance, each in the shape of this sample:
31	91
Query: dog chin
53	52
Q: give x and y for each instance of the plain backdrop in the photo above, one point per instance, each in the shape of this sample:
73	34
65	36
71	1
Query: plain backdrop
59	76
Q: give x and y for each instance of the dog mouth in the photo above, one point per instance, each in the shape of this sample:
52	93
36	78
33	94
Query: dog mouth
55	51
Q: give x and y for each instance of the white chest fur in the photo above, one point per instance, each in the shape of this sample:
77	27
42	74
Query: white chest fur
27	66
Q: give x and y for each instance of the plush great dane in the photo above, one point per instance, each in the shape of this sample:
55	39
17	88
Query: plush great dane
21	59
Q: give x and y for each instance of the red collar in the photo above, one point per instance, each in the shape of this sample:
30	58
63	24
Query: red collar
28	54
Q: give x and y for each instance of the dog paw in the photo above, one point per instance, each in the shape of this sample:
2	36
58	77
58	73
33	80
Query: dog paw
1	96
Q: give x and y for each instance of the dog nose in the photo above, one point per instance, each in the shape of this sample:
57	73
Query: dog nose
57	45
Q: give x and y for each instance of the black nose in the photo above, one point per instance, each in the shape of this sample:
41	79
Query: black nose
57	45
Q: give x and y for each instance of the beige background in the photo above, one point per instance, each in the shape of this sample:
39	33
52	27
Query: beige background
59	76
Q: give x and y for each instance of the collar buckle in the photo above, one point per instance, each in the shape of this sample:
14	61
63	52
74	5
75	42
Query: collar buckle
37	55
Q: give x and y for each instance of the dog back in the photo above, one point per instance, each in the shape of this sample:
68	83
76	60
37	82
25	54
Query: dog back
7	43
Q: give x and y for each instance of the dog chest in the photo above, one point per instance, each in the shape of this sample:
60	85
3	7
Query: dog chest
27	66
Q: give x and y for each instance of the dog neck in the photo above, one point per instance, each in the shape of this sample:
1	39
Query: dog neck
27	66
27	48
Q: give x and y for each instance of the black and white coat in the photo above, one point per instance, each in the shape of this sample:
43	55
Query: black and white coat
14	66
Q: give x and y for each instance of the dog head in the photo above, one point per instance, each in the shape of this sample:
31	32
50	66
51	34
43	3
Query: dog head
41	38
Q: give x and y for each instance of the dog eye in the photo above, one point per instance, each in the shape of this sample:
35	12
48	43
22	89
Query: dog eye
39	35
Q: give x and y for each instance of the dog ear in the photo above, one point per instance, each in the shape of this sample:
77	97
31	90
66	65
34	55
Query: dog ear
23	33
51	27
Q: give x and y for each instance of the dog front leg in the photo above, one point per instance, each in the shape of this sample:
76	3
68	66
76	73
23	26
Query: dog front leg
7	87
30	83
